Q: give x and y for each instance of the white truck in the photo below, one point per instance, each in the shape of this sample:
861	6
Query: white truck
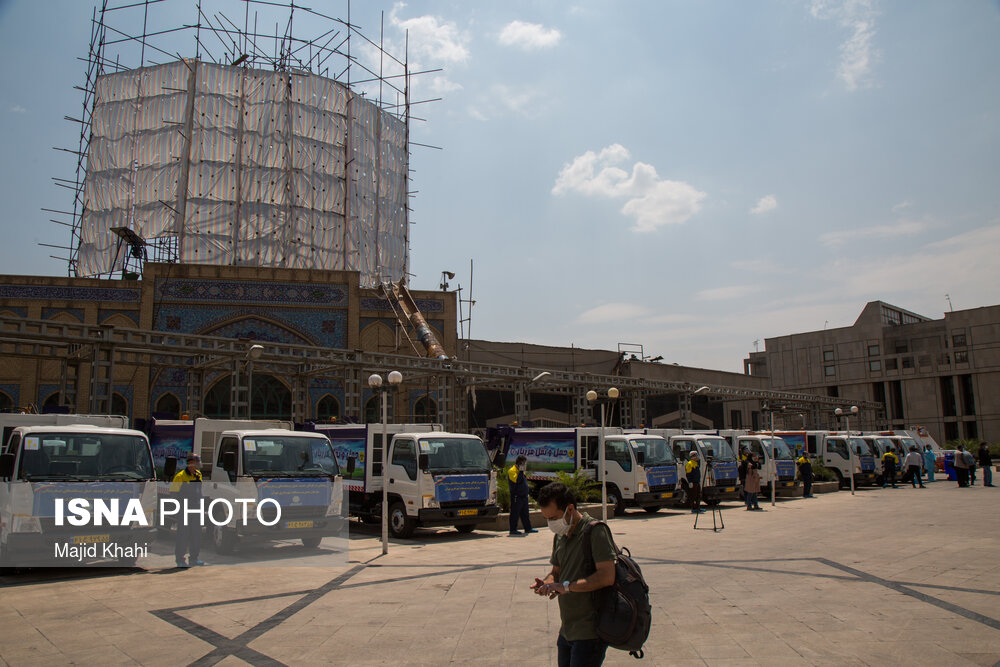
831	448
433	478
10	421
641	472
47	469
778	469
718	466
291	479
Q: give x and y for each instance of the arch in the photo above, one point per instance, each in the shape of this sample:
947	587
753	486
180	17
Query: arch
425	410
119	320
235	327
119	404
378	337
271	398
66	318
53	400
328	408
168	404
373	410
6	402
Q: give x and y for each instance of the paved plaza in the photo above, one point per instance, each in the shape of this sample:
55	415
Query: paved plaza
884	577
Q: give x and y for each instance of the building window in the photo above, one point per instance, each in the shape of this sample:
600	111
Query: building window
875	365
891	364
829	371
968	397
168	406
907	362
961	357
119	406
950	431
425	410
874	351
971	431
328	408
827	355
902	347
958	340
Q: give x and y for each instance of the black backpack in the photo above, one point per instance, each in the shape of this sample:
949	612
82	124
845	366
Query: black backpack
623	611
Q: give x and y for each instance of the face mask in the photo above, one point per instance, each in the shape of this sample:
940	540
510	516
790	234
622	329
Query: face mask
522	467
559	526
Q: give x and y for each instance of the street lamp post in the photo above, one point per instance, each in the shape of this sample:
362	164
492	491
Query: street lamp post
592	398
375	383
850	450
253	353
540	376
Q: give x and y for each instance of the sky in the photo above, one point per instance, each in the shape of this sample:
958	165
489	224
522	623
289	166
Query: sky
692	176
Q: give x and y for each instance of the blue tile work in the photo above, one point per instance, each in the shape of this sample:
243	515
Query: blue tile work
44	391
17	310
323	327
49	313
319	388
65	293
250	291
425	305
130	314
417	394
126	392
14	391
173	381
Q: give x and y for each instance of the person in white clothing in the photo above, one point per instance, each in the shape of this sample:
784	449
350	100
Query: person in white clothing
913	462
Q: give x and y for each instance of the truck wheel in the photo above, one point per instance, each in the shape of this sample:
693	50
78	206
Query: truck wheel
683	497
652	510
400	525
312	541
466	528
712	502
223	540
616	502
840	479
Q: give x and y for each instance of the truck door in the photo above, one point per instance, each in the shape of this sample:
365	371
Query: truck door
618	464
228	445
836	455
401	473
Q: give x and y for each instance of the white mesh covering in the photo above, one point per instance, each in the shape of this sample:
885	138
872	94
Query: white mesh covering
264	179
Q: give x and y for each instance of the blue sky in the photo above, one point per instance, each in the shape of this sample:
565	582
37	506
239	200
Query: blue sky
690	176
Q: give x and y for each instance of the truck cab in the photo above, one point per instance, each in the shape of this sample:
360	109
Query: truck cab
857	461
47	465
879	445
641	472
717	463
294	469
435	478
777	462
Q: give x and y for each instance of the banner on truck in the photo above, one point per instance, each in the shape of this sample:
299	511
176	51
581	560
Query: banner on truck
450	488
545	455
174	440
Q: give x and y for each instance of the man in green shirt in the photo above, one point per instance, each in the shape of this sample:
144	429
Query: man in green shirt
572	579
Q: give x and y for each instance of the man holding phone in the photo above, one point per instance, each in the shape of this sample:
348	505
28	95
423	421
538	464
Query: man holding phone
572	578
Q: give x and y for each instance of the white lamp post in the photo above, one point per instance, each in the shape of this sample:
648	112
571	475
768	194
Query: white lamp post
592	398
850	450
375	383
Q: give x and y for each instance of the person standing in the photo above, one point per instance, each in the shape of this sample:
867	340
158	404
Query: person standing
889	463
186	488
741	471
518	484
692	471
806	475
961	466
752	487
970	458
572	578
913	462
930	461
986	463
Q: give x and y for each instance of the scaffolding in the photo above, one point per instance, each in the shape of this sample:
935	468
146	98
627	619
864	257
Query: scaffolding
257	147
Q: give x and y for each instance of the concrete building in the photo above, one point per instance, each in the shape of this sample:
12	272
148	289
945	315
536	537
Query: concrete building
941	374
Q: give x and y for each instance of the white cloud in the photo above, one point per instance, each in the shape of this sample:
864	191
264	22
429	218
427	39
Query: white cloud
611	312
728	292
519	100
474	112
878	232
652	201
901	206
529	36
767	203
431	37
857	53
17	108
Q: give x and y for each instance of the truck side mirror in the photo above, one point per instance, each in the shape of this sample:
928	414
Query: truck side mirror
350	465
169	468
640	458
229	461
6	465
423	461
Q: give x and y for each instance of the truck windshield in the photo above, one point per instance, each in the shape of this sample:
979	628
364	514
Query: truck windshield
85	456
907	443
883	444
860	447
720	449
656	450
781	450
288	456
455	455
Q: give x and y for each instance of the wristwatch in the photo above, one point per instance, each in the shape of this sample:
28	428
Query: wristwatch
566	586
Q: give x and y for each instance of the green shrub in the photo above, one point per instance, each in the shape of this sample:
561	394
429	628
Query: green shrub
503	490
821	473
972	445
583	487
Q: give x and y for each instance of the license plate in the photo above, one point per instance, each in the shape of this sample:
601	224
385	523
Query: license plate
789	483
300	524
468	512
666	495
91	539
730	489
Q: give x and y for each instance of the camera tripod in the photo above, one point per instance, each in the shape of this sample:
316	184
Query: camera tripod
717	522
